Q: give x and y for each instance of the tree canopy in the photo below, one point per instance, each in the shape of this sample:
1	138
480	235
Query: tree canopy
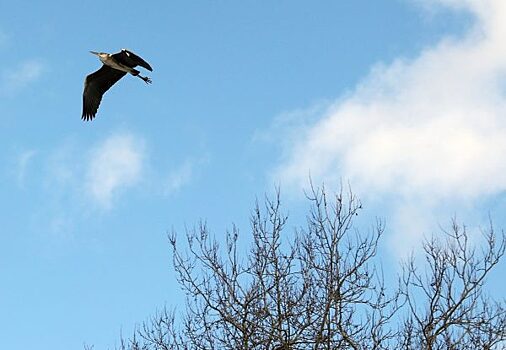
322	287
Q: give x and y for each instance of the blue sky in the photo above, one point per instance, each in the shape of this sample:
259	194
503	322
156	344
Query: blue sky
404	99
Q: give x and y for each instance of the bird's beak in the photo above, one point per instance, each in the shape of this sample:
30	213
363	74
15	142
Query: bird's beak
93	52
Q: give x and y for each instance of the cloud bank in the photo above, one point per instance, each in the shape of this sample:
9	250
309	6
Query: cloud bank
426	130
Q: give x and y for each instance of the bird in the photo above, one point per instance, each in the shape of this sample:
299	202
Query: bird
114	67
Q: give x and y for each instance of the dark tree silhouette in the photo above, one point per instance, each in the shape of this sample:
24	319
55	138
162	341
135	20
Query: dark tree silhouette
447	307
320	288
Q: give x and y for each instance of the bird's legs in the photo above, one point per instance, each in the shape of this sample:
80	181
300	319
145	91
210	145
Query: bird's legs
147	80
135	73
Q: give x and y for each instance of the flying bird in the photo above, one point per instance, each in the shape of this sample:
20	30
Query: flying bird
114	67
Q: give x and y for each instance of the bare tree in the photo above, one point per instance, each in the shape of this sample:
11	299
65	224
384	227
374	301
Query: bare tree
320	288
447	307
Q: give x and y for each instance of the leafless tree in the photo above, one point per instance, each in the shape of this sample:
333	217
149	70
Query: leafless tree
447	306
320	288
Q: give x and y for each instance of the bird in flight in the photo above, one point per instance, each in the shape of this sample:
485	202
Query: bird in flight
114	67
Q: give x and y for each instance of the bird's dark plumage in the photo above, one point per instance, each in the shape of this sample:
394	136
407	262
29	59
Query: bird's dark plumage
129	59
113	69
95	85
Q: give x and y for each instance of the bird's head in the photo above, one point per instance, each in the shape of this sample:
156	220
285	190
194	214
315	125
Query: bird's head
100	55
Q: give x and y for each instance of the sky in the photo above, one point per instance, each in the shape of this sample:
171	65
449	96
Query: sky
404	100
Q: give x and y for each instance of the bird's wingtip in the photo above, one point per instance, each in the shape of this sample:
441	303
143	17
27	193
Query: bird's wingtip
87	117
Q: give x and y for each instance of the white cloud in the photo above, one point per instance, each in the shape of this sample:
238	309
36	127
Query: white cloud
20	76
426	130
179	177
115	164
23	163
182	175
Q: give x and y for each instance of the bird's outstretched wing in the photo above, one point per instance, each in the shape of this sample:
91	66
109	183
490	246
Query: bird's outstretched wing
129	59
95	85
